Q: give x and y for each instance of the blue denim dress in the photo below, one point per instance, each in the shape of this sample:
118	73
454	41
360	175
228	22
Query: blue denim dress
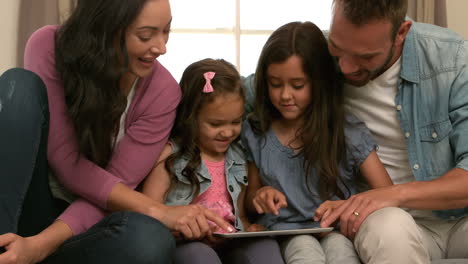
282	169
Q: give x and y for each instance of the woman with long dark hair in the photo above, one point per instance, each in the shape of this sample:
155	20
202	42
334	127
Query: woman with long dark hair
89	119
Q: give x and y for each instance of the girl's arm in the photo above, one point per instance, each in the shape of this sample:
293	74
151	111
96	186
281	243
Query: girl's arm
190	220
374	171
262	199
254	185
158	182
241	207
248	226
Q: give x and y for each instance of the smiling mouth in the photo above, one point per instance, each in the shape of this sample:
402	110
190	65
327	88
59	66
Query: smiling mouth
147	60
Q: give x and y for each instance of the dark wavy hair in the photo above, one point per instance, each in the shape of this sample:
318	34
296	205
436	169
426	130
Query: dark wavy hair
185	131
322	134
90	57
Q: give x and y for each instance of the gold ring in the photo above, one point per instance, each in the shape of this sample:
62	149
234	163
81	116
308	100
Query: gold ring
355	213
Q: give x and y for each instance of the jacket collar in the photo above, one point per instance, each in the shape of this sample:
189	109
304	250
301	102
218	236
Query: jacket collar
234	155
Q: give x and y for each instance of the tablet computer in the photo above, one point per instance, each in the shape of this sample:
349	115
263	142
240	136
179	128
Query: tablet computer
275	232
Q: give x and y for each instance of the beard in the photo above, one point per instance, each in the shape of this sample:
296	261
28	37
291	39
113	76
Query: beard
372	73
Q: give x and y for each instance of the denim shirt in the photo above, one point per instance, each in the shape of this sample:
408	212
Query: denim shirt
432	104
181	192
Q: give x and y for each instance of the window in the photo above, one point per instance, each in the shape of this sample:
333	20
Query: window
234	30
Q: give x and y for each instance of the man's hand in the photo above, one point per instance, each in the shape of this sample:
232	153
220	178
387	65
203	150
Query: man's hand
269	200
356	209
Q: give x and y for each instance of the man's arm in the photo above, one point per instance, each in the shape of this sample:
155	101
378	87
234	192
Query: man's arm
449	191
446	192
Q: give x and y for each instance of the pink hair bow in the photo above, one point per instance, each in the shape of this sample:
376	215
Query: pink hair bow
208	88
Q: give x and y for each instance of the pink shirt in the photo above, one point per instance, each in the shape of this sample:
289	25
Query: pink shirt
217	197
149	120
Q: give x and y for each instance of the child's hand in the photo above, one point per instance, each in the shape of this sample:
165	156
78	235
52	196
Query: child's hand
213	241
269	200
255	227
326	208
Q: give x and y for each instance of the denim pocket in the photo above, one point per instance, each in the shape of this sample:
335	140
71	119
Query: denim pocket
436	131
240	173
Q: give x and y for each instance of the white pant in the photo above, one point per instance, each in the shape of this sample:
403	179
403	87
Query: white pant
391	235
332	249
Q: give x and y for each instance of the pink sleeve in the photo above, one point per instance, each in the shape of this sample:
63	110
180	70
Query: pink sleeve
149	121
81	215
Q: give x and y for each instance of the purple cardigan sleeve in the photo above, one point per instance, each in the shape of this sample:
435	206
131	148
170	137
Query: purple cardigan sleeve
147	127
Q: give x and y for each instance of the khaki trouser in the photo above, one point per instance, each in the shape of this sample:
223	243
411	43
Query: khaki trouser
306	249
391	235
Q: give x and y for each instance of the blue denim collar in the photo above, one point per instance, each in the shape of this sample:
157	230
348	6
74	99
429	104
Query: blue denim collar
234	155
410	64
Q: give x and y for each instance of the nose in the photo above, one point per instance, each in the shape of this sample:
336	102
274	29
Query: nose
347	65
227	133
285	93
159	46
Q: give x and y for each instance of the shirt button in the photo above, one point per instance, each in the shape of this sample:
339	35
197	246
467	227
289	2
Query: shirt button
434	135
245	179
398	107
407	134
416	166
231	189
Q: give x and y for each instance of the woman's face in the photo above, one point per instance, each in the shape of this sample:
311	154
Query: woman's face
147	36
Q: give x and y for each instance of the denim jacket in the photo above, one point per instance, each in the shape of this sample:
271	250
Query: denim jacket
432	103
235	172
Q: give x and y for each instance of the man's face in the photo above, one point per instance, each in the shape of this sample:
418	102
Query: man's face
362	52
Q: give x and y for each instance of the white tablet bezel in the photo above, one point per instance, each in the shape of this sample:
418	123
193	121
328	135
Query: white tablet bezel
275	232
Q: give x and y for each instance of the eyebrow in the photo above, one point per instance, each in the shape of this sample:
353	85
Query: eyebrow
222	120
371	54
290	79
299	79
153	28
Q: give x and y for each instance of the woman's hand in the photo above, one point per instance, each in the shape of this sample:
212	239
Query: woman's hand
19	250
269	200
326	208
191	221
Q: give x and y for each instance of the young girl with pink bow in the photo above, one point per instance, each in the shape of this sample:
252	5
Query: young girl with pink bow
203	169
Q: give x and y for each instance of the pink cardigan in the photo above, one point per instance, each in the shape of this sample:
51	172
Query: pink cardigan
147	126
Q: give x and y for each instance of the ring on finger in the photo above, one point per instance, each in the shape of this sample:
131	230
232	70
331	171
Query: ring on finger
355	213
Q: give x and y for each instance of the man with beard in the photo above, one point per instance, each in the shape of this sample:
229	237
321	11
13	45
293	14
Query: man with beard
408	82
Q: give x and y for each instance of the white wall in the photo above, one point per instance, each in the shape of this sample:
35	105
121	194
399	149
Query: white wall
457	19
9	10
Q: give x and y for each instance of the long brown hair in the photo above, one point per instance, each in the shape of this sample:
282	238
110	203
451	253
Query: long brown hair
89	48
322	133
185	131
